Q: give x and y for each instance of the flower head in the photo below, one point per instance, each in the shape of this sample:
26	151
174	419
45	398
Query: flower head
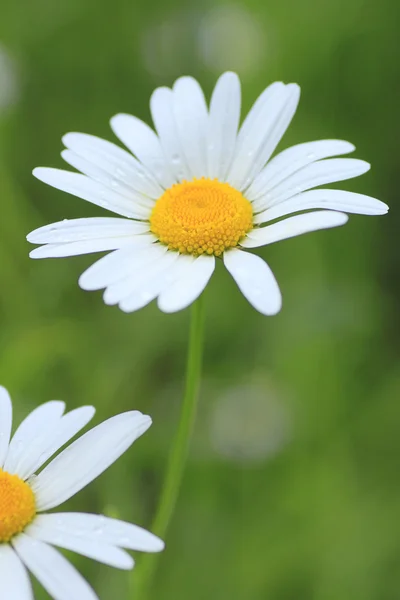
197	189
27	533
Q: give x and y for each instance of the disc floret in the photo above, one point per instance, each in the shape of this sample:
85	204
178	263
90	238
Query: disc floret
201	216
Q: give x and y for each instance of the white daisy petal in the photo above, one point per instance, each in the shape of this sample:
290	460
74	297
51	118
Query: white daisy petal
191	117
90	246
151	286
293	226
260	115
54	438
144	143
144	203
15	584
92	191
264	99
5	423
162	110
262	131
223	125
44	531
78	230
119	265
98	537
58	577
275	135
115	161
30	434
87	458
141	276
101	529
255	280
314	175
331	199
291	160
182	292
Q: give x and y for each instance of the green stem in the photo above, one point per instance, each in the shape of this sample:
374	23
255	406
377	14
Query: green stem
179	450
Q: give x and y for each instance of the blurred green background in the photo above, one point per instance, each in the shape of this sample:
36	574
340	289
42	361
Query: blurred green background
292	490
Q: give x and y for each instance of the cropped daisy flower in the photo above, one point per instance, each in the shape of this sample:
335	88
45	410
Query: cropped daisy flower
27	532
197	189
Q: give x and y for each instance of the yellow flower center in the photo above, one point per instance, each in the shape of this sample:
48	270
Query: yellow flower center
17	505
202	216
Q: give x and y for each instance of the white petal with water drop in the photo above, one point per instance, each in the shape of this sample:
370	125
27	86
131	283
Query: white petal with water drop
162	110
90	246
115	161
145	144
294	226
31	433
287	162
337	200
78	230
186	288
98	528
318	173
14	579
223	125
95	549
54	438
88	189
56	574
87	458
191	117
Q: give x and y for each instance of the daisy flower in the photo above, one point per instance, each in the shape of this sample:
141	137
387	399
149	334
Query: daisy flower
27	531
199	188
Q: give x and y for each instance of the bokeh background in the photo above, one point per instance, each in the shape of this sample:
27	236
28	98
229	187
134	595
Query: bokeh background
292	490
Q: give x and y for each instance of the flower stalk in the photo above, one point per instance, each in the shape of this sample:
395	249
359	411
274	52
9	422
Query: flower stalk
180	447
